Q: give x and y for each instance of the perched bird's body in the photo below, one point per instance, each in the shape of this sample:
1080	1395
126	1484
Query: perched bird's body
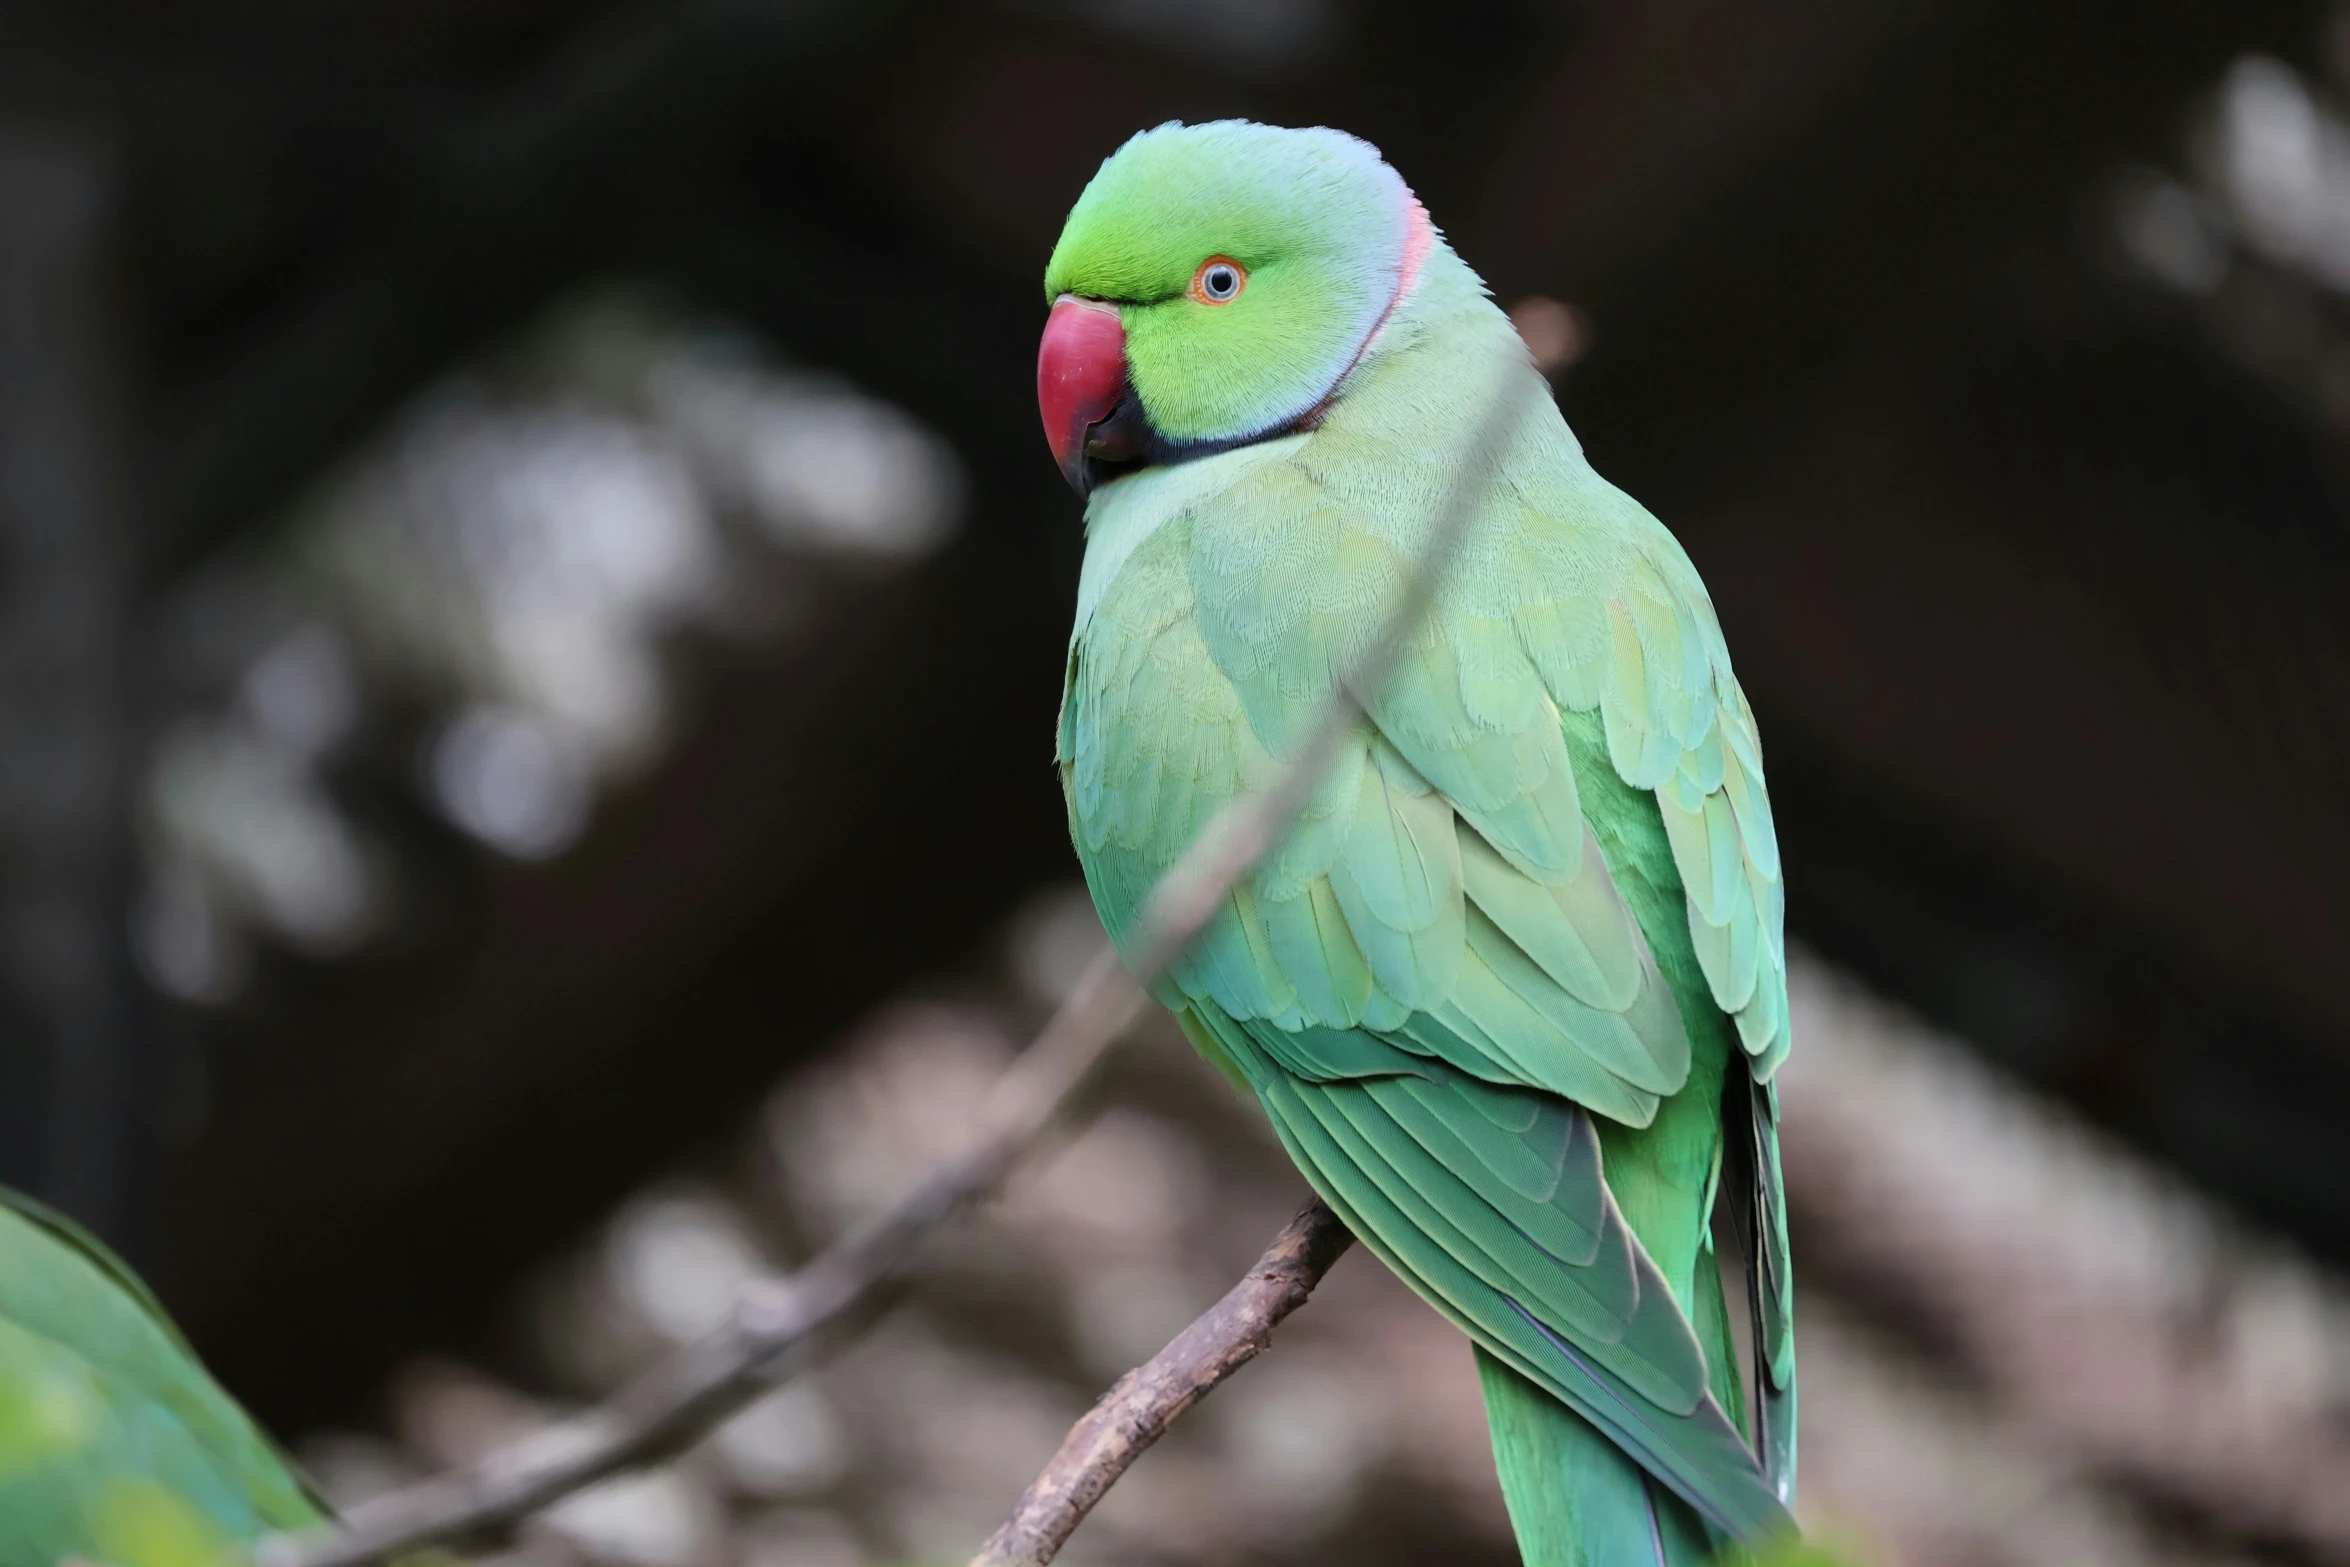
116	1445
1519	968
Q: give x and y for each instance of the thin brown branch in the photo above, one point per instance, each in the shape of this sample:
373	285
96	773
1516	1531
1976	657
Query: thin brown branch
1136	1412
778	1324
775	1326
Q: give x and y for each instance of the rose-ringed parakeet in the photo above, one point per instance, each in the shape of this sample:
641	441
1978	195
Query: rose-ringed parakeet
1513	988
116	1446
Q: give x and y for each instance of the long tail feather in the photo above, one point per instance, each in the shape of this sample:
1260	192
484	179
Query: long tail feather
1753	1139
1575	1499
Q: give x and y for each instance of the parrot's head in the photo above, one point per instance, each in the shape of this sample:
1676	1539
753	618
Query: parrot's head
1213	286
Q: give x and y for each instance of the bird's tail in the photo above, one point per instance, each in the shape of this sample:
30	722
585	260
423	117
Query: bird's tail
1575	1499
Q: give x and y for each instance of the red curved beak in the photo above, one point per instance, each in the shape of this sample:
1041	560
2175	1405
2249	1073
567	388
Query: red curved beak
1080	377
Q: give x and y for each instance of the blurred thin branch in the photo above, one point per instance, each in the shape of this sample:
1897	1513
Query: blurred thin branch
1137	1410
776	1323
779	1324
2126	1332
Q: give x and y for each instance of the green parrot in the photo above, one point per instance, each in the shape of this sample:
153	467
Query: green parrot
116	1446
1512	989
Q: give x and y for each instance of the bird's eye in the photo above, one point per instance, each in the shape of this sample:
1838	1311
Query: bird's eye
1218	281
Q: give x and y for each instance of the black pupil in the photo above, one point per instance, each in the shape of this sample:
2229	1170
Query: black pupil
1220	282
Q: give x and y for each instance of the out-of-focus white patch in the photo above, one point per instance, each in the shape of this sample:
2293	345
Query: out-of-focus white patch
512	779
350	1467
679	1261
516	553
790	1443
303	692
184	942
555	543
656	1518
903	1096
2169	233
251	819
811	460
2281	159
1126	1313
1126	1185
1056	936
975	1429
451	1414
1304	1432
2127	1323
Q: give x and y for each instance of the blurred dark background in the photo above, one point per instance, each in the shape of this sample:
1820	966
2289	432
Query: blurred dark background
531	596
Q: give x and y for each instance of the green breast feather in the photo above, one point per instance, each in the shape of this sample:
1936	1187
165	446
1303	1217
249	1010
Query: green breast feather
1520	964
115	1444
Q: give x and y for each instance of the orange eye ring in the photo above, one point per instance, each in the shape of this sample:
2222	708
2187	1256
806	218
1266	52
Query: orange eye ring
1218	281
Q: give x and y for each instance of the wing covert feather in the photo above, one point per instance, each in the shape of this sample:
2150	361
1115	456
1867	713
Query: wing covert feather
1685	1440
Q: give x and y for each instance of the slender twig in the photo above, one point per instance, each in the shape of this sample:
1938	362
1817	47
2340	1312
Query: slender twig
778	1323
1137	1410
775	1322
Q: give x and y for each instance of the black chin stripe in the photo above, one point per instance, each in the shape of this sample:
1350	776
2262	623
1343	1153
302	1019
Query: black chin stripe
1130	429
